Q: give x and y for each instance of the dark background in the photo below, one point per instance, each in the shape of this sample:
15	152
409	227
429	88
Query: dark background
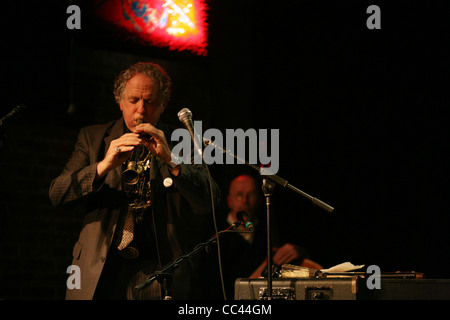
363	119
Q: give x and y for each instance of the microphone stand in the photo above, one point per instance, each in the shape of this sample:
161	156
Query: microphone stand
164	275
268	185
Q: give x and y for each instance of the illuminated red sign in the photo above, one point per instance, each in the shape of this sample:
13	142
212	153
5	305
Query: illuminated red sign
176	24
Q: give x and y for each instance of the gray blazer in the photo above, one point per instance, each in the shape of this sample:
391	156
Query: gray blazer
179	210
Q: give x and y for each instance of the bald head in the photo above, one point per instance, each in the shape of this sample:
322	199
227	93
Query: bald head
244	195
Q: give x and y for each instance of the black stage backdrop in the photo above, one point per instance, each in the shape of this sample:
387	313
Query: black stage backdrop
362	115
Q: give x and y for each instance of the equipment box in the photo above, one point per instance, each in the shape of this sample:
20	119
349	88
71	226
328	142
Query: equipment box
347	288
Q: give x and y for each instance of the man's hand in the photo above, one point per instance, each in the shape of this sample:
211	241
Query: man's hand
286	254
119	151
156	143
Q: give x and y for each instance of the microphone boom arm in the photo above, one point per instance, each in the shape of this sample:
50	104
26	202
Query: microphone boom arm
278	180
168	269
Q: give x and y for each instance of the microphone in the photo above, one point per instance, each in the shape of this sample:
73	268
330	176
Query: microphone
243	217
13	113
185	116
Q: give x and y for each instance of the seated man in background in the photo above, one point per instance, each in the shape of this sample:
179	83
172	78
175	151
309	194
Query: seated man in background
244	255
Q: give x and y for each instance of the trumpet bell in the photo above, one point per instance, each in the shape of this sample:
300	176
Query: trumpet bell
130	175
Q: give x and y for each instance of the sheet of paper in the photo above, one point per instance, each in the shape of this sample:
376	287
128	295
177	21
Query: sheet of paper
343	267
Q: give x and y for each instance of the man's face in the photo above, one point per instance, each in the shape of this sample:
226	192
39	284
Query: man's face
243	195
140	101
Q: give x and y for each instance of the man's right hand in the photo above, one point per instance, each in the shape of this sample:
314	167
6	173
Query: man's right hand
119	151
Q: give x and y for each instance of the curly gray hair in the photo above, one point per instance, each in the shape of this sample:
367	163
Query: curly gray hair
153	71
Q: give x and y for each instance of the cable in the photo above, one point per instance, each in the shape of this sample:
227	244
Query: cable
216	232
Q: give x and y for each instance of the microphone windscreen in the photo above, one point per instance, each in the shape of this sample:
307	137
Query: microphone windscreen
184	114
241	215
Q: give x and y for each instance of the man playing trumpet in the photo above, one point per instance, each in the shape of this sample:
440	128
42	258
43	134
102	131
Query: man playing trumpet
119	246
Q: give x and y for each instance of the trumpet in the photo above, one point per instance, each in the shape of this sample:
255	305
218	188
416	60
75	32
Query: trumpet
136	178
135	166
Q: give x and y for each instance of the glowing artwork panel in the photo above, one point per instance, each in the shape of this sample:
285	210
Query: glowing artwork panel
176	24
